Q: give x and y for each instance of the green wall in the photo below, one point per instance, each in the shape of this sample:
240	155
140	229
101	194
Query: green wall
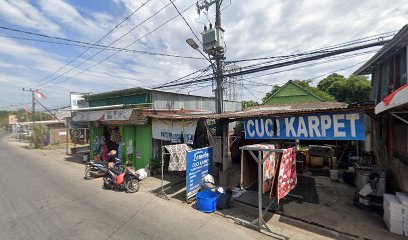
137	139
133	99
144	145
291	93
93	132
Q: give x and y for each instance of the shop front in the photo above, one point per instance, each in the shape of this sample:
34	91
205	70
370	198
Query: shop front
124	130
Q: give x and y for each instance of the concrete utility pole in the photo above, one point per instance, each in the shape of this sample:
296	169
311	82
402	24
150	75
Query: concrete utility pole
217	52
32	110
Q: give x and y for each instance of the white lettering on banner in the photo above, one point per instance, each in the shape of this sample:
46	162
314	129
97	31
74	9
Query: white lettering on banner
302	127
103	115
320	126
352	118
289	127
269	127
326	124
313	126
337	125
174	131
251	133
259	126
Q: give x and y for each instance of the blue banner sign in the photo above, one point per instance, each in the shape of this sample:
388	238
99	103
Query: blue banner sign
199	164
329	126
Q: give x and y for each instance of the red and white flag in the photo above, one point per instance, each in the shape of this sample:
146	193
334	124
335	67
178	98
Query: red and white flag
40	94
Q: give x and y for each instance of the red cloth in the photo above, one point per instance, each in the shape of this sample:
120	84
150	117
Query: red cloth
269	167
105	153
287	173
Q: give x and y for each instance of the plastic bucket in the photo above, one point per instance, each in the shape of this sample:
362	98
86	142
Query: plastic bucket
334	175
207	201
224	200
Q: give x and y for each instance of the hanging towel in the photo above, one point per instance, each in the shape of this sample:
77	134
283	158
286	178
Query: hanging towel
268	169
178	156
287	173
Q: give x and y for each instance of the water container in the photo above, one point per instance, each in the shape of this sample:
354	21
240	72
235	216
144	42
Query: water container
224	199
334	174
207	201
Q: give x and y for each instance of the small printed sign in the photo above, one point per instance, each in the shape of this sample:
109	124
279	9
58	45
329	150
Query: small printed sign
199	164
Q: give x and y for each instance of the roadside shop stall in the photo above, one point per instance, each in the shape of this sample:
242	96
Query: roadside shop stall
269	131
124	130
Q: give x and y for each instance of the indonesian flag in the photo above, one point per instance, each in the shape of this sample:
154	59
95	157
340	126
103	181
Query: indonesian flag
40	94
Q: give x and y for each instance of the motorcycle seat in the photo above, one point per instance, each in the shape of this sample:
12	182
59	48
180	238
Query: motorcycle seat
117	172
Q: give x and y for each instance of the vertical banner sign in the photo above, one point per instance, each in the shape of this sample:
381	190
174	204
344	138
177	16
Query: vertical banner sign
329	126
199	164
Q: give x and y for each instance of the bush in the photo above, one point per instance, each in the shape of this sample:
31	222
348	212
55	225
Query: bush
40	133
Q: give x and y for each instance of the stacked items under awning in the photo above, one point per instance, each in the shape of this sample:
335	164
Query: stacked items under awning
396	213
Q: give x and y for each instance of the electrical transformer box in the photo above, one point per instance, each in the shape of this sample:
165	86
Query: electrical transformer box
213	39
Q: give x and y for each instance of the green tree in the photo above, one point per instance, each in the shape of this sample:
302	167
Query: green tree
40	134
325	84
248	104
22	116
353	89
322	94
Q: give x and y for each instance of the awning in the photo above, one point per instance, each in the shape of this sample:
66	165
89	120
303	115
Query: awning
397	98
103	115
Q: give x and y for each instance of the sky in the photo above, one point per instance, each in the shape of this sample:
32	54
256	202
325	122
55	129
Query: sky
253	29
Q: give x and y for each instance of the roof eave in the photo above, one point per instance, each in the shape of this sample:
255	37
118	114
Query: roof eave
367	67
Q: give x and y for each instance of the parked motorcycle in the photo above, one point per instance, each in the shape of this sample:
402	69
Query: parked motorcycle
95	169
117	180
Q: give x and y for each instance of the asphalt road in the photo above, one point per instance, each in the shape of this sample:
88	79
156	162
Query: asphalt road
45	199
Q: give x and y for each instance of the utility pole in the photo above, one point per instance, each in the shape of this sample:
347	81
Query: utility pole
32	102
32	111
215	47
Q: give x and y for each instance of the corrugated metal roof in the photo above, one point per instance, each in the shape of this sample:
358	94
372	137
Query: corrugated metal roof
269	110
138	90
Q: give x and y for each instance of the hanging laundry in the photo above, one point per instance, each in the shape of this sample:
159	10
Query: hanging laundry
178	156
269	166
287	178
105	152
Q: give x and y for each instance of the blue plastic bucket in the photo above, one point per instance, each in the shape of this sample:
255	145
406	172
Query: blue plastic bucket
207	201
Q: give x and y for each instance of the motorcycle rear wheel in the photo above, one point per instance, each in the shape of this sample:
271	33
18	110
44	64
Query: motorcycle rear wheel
88	174
106	183
132	186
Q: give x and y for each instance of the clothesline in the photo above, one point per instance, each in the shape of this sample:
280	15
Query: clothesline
286	176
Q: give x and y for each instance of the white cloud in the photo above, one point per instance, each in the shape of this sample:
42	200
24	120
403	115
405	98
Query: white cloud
256	29
25	14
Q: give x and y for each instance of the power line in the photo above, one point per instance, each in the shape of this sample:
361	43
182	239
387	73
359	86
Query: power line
101	50
188	25
292	62
178	79
104	46
113	54
327	48
337	58
286	57
310	65
99	40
